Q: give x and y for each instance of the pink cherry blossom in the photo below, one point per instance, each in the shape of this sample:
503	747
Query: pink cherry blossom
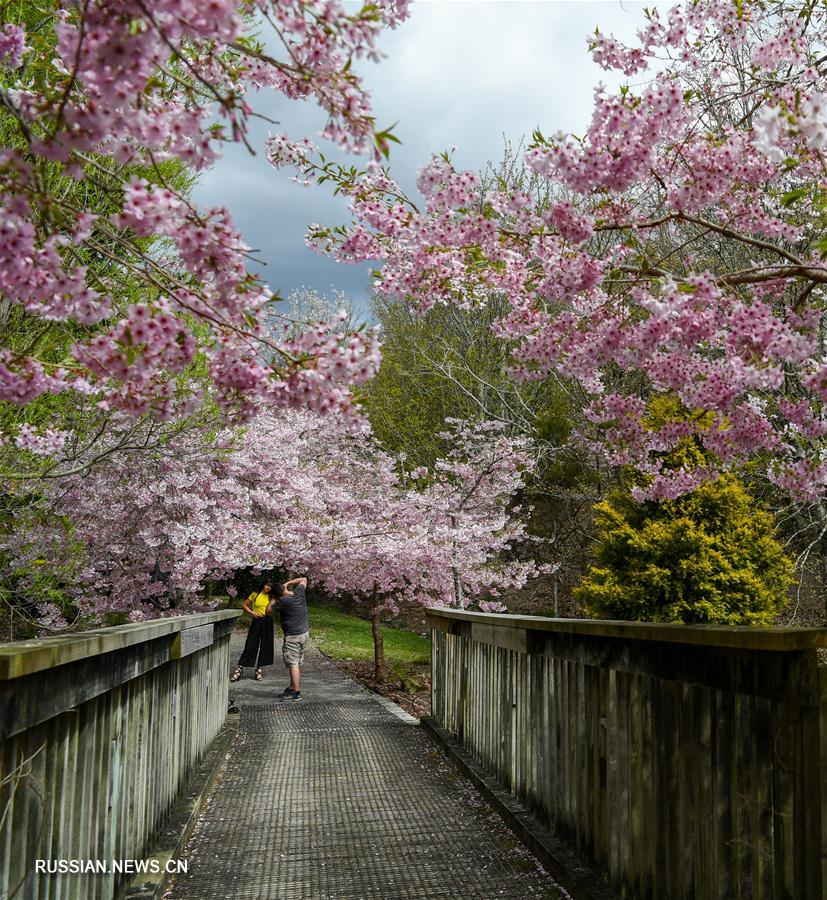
12	45
109	95
616	279
293	489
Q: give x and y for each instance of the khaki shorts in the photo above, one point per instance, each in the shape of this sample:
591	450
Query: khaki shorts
292	650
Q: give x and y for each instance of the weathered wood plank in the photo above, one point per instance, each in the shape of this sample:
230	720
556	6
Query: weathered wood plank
622	774
730	636
741	797
651	834
601	783
704	812
592	761
822	769
26	657
613	823
191	640
771	792
509	638
684	783
554	760
670	770
810	839
684	770
637	850
85	793
582	757
723	802
774	800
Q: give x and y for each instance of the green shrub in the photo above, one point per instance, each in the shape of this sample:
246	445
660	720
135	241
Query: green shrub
709	556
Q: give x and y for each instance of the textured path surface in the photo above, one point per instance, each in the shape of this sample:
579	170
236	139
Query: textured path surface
335	797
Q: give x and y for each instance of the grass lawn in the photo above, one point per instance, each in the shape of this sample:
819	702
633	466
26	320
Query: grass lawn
348	637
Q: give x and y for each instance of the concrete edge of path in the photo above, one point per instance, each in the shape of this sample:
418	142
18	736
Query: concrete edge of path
580	882
183	816
393	708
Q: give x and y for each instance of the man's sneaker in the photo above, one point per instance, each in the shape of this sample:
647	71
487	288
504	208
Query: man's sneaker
287	694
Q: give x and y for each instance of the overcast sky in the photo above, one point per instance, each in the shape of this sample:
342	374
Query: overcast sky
457	72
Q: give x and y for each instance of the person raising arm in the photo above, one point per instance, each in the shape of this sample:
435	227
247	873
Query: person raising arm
294	582
291	602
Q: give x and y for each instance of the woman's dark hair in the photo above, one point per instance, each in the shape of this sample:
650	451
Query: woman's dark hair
268	584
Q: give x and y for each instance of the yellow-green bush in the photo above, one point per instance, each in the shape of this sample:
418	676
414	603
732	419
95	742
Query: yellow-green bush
709	556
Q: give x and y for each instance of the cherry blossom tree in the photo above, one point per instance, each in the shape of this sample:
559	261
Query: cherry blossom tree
103	93
680	252
148	529
103	108
294	490
445	536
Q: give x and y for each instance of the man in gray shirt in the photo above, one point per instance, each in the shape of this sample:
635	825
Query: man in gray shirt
291	603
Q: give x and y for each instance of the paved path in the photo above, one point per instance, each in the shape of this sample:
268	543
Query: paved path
336	797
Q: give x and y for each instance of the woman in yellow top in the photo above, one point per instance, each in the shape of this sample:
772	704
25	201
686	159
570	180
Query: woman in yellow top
260	636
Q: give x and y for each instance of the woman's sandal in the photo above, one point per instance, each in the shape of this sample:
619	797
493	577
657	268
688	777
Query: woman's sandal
236	676
259	674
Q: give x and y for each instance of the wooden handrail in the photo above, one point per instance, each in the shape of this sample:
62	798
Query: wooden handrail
21	658
741	637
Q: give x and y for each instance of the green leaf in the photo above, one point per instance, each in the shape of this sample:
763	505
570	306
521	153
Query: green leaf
792	196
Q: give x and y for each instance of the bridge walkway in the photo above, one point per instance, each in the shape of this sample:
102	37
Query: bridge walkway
339	797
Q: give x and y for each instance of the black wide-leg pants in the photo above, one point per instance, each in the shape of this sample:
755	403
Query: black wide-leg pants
259	642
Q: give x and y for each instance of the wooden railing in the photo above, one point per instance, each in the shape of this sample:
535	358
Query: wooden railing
99	732
682	761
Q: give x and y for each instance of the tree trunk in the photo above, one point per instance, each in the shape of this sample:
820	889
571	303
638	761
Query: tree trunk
458	596
380	667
